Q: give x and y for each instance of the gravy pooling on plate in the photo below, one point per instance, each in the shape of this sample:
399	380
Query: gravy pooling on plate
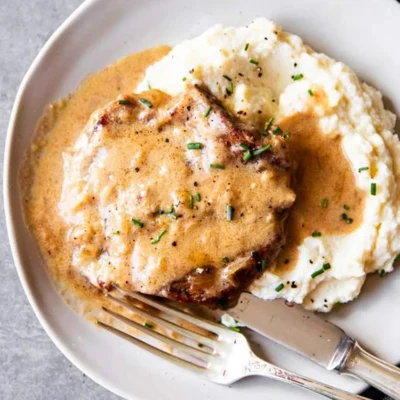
41	175
328	202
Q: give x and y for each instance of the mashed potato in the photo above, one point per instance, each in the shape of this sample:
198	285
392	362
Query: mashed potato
275	72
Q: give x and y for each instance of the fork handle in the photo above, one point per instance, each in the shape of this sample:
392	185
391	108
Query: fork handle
257	366
376	372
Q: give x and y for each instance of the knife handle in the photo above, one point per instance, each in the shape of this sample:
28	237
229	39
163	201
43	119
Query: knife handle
257	366
376	372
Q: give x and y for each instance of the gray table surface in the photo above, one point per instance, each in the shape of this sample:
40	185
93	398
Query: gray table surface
31	367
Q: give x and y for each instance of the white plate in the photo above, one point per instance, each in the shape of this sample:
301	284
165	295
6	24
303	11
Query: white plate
363	34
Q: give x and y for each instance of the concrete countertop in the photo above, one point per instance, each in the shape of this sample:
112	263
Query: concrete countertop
31	367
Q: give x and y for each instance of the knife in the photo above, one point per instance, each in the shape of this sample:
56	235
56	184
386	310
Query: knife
317	339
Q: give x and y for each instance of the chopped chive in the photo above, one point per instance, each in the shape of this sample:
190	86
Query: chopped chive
316	234
124	102
198	196
277	130
184	79
225	259
397	258
244	146
286	134
227	78
279	287
316	273
194	146
297	77
262	150
171	214
158	238
337	304
254	62
382	273
229	212
217	166
310	92
146	103
326	266
116	233
149	86
246	47
247	155
137	222
268	124
230	88
190	201
207	113
346	218
263	264
324	203
147	325
234	328
347	208
363	169
373	189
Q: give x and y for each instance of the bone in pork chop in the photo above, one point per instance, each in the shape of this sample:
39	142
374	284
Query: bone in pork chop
173	196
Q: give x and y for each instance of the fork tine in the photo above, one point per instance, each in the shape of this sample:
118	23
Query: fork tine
166	324
201	322
154	350
191	351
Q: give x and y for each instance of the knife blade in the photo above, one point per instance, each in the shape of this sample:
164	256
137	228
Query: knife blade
317	339
295	328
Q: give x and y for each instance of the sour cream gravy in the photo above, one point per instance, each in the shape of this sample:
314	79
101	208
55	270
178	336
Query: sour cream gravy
321	172
41	175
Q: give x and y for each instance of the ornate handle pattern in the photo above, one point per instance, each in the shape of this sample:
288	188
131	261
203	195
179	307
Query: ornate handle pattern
257	366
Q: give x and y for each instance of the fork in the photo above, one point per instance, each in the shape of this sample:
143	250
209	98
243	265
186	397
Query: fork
218	353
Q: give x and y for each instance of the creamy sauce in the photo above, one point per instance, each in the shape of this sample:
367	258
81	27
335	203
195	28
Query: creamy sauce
42	174
322	172
132	161
325	187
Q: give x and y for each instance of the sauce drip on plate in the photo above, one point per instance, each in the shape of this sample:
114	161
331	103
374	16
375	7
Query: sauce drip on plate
328	201
41	175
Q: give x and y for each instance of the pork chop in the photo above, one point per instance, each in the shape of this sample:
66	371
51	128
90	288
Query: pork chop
173	196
